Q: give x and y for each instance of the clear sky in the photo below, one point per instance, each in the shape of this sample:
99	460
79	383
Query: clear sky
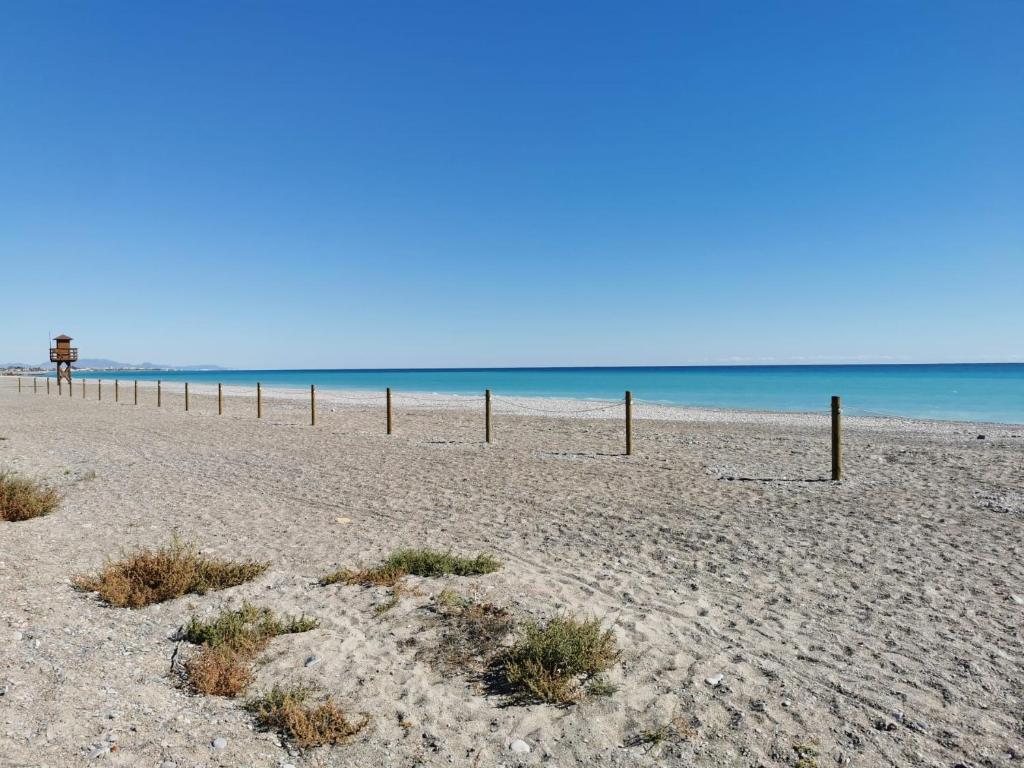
350	184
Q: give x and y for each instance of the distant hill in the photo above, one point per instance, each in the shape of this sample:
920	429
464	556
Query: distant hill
102	363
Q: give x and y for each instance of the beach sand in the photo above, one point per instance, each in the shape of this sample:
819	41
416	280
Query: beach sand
877	622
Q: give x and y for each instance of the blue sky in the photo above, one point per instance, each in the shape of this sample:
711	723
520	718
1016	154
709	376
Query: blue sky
442	183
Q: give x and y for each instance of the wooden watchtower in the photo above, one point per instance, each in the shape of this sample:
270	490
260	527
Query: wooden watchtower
63	355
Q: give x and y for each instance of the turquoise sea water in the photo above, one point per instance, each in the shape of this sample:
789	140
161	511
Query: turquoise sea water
970	392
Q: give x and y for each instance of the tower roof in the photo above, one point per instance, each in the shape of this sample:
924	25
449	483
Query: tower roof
62	337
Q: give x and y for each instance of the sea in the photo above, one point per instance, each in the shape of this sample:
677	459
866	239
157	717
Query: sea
987	392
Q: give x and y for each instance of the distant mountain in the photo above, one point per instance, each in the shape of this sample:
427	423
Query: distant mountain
102	363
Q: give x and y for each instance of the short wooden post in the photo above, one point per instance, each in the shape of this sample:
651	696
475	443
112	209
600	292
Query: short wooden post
83	389
186	395
220	399
99	389
47	385
837	443
117	391
19	385
312	405
389	409
136	391
259	401
159	393
487	415
35	386
629	423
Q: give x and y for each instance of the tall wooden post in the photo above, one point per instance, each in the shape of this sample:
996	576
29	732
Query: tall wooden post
136	391
312	405
629	423
389	409
259	401
35	386
220	399
99	389
186	395
47	385
837	444
487	415
159	393
19	385
117	390
83	389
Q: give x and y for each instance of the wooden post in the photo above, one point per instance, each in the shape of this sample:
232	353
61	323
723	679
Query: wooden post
83	389
19	385
487	415
159	394
35	386
312	405
629	423
389	409
220	399
259	401
186	396
117	390
99	389
837	444
136	391
47	385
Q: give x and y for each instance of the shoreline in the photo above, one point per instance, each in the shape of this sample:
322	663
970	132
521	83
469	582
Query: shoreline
562	407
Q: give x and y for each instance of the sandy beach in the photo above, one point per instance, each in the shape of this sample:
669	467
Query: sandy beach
777	616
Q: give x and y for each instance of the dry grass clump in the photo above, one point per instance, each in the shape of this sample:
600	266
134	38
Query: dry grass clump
155	575
549	661
247	629
414	562
285	710
23	499
674	731
231	641
219	671
473	634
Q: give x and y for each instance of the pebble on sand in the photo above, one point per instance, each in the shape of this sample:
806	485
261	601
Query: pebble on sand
519	746
715	680
220	743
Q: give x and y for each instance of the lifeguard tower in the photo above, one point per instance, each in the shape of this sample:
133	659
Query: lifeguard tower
63	355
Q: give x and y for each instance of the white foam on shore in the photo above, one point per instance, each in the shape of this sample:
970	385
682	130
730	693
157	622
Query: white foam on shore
557	407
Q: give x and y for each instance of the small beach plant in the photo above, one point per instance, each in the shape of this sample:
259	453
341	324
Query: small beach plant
472	635
155	575
549	661
23	499
414	562
231	641
304	725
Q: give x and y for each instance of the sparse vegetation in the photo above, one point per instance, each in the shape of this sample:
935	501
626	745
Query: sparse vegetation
23	499
805	756
674	731
247	629
230	642
472	636
155	575
601	687
285	711
219	671
550	660
414	562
